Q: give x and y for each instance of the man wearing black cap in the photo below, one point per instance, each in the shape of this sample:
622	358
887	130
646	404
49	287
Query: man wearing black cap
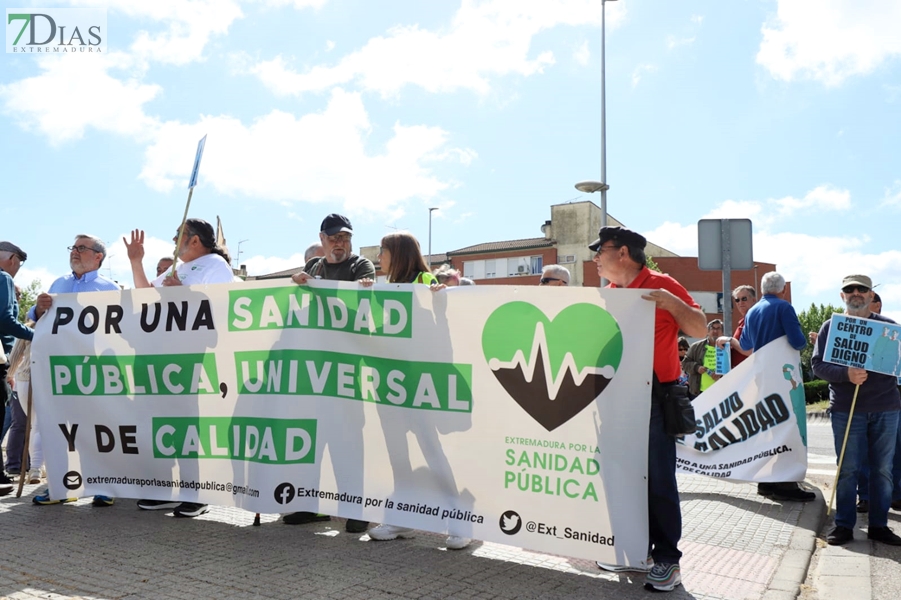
620	257
338	263
874	425
11	259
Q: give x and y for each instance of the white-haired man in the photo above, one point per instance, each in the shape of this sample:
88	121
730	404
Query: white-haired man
769	319
554	275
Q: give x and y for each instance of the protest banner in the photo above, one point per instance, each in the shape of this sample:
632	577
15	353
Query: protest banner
864	343
499	413
752	423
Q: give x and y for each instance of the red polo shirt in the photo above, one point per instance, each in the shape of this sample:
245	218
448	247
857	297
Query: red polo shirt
666	330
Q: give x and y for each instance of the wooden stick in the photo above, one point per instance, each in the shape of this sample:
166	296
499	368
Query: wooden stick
181	233
23	473
842	455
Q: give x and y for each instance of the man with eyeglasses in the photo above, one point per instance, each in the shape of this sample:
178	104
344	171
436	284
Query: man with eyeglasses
338	263
744	297
769	319
700	361
874	425
554	275
85	258
11	259
620	258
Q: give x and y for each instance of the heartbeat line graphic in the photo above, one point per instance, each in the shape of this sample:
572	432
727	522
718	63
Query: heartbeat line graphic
539	343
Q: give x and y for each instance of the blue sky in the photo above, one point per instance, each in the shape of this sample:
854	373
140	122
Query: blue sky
787	112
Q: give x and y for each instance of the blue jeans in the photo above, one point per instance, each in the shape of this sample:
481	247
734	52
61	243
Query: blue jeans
664	511
872	439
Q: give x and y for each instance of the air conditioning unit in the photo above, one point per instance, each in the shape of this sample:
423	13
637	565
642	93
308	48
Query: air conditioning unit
522	269
567	258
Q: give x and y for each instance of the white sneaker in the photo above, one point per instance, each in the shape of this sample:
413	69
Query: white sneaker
455	542
624	569
34	476
383	532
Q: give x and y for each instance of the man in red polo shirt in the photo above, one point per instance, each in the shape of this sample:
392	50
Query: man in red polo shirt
620	257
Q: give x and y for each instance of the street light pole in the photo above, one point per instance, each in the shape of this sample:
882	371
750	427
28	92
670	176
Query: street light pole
429	260
238	255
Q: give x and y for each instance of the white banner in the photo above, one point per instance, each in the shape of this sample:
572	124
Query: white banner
752	423
510	414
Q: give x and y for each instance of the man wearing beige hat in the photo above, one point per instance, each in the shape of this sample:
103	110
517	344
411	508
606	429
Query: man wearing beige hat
11	259
873	427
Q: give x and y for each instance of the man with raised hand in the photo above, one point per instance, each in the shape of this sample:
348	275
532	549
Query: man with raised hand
337	262
620	258
11	259
85	258
874	425
769	319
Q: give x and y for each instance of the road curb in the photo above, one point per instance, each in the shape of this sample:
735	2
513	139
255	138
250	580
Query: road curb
792	570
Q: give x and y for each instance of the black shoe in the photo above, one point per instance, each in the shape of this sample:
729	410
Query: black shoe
302	518
191	509
765	489
884	535
793	494
840	535
14	472
355	526
6	489
4	478
863	506
896	505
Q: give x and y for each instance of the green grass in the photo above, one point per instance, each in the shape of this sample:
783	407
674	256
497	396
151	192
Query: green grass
818	406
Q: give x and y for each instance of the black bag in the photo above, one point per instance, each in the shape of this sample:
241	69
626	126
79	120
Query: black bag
678	413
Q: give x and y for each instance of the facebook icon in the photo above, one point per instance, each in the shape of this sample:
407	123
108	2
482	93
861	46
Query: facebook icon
284	493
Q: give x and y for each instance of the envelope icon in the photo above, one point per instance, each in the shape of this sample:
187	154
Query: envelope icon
73	480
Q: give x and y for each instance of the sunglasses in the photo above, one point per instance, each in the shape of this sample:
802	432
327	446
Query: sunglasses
860	289
742	299
547	280
341	238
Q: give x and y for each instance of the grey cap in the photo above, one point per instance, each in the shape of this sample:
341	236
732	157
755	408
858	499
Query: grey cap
10	247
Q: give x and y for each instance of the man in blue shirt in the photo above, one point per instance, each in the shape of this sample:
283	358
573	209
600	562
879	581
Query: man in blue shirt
769	319
85	258
11	259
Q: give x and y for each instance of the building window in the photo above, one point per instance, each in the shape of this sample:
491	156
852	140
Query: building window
491	268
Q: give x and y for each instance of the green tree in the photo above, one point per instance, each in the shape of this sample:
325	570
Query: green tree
27	298
649	261
811	320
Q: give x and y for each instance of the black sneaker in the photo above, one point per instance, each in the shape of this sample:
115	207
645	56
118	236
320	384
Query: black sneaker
793	494
863	506
158	504
896	505
355	526
6	489
765	489
303	517
884	535
4	478
840	535
191	509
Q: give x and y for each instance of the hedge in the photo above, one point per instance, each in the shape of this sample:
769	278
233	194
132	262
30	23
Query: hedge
816	390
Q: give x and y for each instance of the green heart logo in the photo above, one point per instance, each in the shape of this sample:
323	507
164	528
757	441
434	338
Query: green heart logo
552	368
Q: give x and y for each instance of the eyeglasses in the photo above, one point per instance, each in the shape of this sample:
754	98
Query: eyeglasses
860	289
547	280
742	299
602	248
340	238
81	248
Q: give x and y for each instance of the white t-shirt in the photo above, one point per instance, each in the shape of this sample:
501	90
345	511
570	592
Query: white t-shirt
209	268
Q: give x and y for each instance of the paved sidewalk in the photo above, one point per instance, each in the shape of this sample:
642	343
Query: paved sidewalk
737	546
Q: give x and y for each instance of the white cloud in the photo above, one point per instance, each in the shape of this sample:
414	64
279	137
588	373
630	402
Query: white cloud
892	195
93	97
823	197
582	54
298	4
264	265
829	40
318	157
675	237
697	19
116	263
484	40
639	71
189	25
26	275
673	42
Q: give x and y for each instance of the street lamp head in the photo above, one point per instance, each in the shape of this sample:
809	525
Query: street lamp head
590	187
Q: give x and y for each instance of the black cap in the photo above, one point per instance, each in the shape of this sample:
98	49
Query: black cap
621	236
10	247
334	223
